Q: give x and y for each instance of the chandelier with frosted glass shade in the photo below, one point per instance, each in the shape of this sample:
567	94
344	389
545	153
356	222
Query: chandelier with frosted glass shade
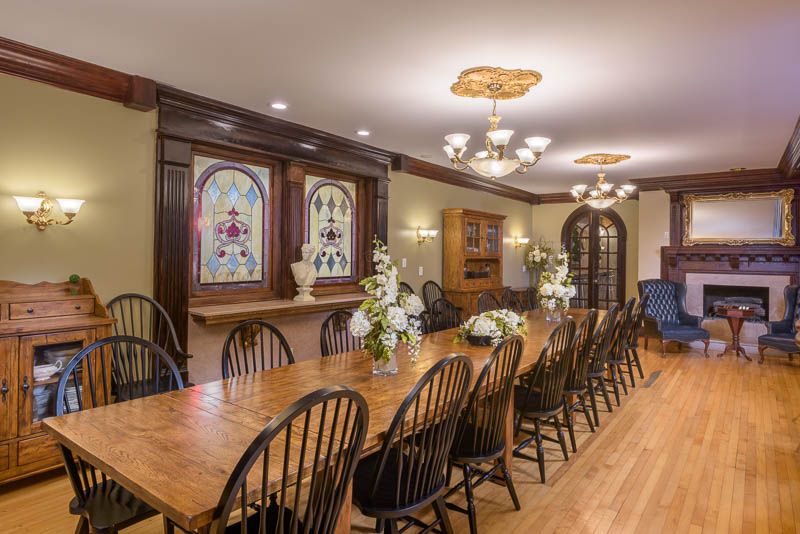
496	84
601	196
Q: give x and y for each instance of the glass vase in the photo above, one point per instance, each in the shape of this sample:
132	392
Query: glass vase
554	316
381	367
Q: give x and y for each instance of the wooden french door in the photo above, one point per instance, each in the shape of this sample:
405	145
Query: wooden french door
595	241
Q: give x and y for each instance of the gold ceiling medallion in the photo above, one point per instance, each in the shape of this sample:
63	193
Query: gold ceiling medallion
602	159
600	197
495	83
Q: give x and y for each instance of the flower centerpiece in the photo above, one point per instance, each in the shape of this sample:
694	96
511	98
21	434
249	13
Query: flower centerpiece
389	317
538	256
489	328
555	288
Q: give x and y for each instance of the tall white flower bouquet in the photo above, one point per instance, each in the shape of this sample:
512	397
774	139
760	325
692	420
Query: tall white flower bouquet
555	288
538	256
390	317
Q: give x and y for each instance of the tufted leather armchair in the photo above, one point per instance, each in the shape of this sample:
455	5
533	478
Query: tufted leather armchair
780	334
665	315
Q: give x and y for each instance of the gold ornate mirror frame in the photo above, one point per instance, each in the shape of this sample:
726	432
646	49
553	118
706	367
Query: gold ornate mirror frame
786	196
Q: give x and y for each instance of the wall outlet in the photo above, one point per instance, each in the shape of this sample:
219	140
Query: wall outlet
666	235
421	271
523	268
403	263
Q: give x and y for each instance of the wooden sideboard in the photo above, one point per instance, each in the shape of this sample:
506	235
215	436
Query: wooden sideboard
42	327
472	259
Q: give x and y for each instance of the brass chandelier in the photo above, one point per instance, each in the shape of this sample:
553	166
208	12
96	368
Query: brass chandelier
496	84
600	196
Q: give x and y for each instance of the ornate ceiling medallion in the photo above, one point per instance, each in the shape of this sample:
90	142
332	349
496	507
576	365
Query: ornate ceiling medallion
602	159
495	83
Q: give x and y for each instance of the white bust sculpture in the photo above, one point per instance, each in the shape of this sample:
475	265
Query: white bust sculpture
305	274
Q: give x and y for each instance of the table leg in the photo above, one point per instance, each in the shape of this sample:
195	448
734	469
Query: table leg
343	523
735	324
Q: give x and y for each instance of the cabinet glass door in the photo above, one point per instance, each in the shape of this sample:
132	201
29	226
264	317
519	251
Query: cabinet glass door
492	239
473	244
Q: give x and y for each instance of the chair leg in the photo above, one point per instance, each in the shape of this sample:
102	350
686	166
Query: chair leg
645	342
448	473
638	362
705	352
441	513
539	449
509	483
390	526
761	349
83	526
473	527
570	429
586	413
629	362
593	400
621	376
379	525
561	438
614	381
604	390
664	349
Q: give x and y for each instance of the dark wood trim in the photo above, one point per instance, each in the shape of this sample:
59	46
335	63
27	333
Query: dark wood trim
567	198
676	262
203	119
594	246
450	176
39	65
789	164
715	181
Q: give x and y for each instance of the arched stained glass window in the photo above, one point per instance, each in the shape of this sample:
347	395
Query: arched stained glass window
231	203
331	225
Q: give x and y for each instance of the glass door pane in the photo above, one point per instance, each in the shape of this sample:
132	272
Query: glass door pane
579	261
49	362
473	244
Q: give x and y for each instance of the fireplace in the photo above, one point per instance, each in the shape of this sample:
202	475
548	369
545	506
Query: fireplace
754	297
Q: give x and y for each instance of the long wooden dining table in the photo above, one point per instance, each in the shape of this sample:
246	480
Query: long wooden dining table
175	451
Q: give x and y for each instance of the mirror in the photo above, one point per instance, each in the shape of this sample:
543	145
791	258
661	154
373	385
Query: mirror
738	218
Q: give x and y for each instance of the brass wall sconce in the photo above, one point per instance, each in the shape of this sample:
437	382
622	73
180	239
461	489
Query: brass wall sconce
37	209
520	241
426	236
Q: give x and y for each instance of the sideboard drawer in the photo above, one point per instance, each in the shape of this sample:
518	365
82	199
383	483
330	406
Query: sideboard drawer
53	308
34	449
3	457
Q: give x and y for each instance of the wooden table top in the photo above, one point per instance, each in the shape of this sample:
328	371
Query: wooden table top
176	451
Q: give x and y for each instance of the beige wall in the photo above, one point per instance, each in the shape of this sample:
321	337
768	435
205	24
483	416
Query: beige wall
415	201
76	146
653	231
548	219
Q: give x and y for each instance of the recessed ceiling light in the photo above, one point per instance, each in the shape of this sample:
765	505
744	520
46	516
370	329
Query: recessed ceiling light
279	105
363	133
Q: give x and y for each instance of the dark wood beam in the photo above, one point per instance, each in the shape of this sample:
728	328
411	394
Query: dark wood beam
789	164
450	176
29	62
714	181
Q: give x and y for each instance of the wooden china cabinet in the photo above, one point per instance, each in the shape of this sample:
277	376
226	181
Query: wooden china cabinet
42	327
472	259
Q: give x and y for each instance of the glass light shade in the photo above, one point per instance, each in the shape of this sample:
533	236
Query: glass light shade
537	144
523	240
525	155
620	193
600	203
574	192
628	188
457	140
449	151
492	168
579	188
423	233
593	193
500	137
28	204
605	187
433	233
481	154
70	206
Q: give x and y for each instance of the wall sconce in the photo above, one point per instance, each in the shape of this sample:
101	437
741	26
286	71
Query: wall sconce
426	236
37	209
520	241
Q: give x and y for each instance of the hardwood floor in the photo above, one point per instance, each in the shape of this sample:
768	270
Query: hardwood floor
699	445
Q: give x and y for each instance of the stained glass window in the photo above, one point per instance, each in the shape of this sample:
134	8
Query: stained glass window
331	225
232	215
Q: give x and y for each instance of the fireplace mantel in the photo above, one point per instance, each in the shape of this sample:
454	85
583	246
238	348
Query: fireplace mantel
748	259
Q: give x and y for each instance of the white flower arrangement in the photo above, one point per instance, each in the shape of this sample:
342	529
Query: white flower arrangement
390	317
538	256
495	324
555	288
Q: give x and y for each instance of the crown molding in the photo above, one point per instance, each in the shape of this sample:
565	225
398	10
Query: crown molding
789	164
39	65
446	175
714	181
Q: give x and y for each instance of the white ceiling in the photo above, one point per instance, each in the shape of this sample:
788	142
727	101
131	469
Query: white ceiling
684	86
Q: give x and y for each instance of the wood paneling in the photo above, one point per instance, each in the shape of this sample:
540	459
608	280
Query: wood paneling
450	176
789	164
750	179
25	61
676	261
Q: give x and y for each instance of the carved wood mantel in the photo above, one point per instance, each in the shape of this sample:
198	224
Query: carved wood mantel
676	261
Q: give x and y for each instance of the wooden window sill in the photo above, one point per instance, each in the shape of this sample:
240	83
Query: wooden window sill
231	313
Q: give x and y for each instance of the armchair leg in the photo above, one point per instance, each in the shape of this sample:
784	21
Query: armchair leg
645	342
664	349
761	349
705	352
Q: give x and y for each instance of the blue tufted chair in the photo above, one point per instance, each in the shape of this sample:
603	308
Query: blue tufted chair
665	315
780	334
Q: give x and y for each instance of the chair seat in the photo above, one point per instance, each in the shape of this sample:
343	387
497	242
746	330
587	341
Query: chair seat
382	500
783	342
110	505
467	448
533	407
679	332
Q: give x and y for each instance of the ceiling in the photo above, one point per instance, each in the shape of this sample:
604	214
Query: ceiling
684	86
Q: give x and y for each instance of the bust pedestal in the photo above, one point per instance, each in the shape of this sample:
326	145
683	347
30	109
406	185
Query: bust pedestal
304	294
